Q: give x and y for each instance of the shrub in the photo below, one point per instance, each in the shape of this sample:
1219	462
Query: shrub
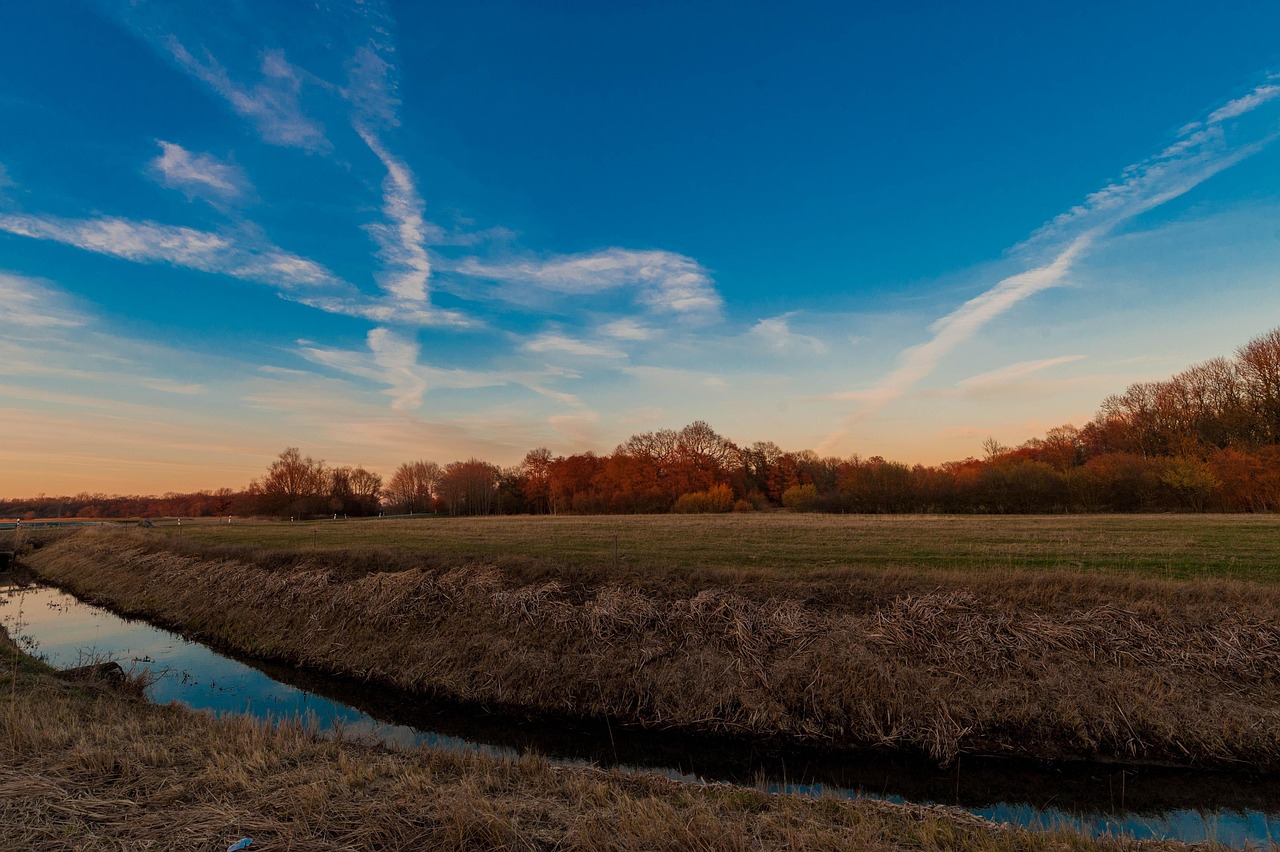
801	498
716	499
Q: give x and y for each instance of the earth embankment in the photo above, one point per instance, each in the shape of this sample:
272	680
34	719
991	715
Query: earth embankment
1031	664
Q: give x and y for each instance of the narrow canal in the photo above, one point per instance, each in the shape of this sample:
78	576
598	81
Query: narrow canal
1235	810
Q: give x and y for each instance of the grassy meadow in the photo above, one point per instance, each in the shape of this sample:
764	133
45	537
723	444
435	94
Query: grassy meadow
1163	546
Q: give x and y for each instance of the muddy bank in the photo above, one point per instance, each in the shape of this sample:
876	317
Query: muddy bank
1124	670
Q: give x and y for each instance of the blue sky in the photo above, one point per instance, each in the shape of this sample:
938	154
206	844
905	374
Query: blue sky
384	231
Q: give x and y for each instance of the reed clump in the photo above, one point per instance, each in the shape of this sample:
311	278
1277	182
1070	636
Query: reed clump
1034	664
83	768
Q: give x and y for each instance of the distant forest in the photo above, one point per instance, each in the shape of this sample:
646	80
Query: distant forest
1207	439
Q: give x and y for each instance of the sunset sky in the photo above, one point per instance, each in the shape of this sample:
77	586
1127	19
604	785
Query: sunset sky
387	232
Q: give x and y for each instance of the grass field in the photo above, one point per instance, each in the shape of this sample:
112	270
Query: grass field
1164	546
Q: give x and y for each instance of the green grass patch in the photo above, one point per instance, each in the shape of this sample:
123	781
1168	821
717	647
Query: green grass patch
1243	547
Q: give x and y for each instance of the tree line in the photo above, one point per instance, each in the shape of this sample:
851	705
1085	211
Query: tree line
1206	439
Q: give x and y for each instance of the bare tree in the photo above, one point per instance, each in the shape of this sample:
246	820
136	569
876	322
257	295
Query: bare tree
1259	361
413	486
469	487
294	485
354	491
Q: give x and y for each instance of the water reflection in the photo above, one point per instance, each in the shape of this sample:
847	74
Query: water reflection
1095	800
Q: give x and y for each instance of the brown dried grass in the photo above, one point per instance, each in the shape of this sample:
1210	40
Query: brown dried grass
1042	664
83	768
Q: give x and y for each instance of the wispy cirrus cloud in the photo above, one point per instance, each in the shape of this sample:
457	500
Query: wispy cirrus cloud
404	233
272	103
1012	374
630	329
373	84
394	360
403	236
198	175
245	256
664	282
389	310
1241	105
776	335
963	323
559	343
171	386
1206	148
398	358
30	304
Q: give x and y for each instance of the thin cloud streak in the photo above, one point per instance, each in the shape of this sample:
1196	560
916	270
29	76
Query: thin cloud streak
775	334
389	310
272	104
171	386
628	329
30	305
665	282
1206	150
204	251
1014	372
398	358
1240	106
556	342
961	324
198	175
402	238
392	360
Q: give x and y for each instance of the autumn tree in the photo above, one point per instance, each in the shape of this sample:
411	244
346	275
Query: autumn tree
294	485
1259	367
645	467
354	491
717	499
573	483
1192	481
756	465
469	487
412	487
536	469
704	457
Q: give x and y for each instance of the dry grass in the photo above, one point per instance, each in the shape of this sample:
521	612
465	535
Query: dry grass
1041	664
85	768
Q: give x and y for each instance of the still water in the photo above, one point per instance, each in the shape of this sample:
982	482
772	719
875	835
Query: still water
1141	802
